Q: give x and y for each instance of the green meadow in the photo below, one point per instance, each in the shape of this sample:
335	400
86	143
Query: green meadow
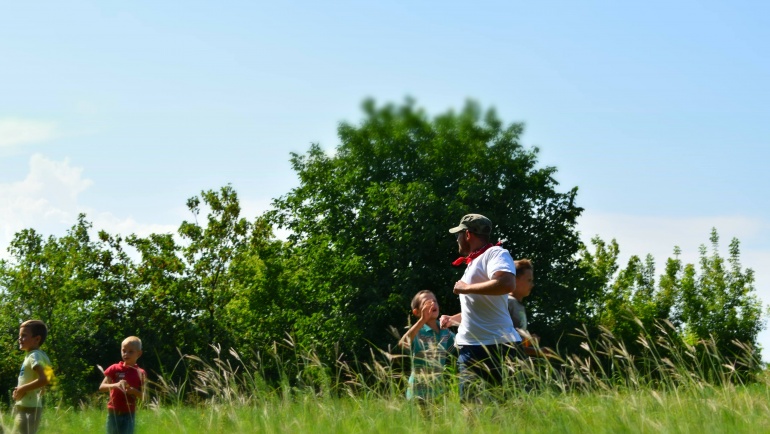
695	410
670	388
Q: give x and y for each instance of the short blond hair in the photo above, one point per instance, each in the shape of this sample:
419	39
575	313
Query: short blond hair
133	340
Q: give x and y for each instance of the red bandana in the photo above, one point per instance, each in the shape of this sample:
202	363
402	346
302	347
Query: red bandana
475	254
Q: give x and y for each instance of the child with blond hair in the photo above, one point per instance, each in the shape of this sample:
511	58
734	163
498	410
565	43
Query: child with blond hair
125	383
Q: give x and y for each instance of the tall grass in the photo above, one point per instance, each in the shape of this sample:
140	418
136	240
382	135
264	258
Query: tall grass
667	386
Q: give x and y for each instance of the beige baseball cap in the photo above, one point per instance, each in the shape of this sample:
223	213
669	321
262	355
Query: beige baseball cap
476	223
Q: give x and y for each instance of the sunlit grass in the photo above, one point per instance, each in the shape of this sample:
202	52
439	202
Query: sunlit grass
668	388
722	409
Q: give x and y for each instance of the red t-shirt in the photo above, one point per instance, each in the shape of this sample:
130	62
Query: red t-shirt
134	375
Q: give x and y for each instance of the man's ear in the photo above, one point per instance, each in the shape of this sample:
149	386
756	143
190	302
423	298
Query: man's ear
416	312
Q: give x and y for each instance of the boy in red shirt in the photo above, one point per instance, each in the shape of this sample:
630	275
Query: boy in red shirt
124	381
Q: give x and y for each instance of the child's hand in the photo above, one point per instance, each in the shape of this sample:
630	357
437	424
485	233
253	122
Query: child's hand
445	321
426	309
123	385
18	393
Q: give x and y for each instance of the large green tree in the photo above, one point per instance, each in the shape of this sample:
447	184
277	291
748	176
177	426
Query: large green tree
369	221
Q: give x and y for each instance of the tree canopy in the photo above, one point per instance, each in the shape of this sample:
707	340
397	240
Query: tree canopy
372	218
368	228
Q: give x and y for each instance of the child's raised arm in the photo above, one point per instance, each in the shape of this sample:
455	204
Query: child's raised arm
406	340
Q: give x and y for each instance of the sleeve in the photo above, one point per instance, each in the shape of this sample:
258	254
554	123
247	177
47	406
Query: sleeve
37	360
500	260
110	372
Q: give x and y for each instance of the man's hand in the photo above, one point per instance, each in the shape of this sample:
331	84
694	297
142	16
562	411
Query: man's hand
460	287
446	321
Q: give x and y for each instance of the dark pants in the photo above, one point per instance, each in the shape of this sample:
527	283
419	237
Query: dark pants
120	423
482	366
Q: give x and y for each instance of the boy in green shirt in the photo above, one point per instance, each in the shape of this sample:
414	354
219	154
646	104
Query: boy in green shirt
35	374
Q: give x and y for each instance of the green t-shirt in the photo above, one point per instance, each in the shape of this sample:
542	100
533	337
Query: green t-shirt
27	374
429	352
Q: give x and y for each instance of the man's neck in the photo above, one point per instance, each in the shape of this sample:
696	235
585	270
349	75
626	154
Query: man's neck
477	244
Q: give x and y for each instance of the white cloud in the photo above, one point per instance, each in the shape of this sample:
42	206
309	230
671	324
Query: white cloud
16	131
46	197
658	235
47	200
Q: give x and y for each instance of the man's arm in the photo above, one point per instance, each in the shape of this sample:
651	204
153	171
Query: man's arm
502	282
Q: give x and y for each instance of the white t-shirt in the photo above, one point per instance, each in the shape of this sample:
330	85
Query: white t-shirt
485	318
27	375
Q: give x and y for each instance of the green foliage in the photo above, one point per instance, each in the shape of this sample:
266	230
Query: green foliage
721	300
176	298
64	282
370	222
715	304
368	228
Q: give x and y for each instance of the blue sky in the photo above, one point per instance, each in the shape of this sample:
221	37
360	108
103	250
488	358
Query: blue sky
657	111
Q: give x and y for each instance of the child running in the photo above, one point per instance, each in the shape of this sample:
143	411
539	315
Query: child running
35	374
429	345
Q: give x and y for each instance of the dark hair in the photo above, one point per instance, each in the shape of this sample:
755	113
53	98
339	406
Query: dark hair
523	265
37	328
418	297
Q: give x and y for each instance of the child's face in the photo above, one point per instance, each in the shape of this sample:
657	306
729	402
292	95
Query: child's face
524	284
27	342
427	299
129	353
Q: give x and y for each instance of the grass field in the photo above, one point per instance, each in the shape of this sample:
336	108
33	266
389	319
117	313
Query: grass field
723	409
603	390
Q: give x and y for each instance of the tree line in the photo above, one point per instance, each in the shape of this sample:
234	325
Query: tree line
367	229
